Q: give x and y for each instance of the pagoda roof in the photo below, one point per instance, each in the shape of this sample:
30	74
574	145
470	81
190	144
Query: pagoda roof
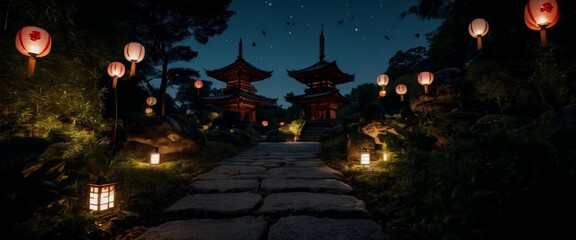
322	70
239	67
332	95
234	96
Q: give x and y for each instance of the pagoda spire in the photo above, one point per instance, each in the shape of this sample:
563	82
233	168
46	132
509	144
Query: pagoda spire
322	55
240	49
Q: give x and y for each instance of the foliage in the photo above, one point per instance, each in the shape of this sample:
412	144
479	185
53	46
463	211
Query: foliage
245	137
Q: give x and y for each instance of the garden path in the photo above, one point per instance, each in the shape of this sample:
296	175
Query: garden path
271	191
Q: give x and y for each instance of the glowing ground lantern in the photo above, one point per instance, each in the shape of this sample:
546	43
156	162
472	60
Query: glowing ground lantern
364	158
401	89
155	157
116	70
134	52
540	15
101	195
198	84
33	42
425	79
478	28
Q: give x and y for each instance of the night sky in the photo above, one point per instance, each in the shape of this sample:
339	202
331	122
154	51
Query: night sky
281	35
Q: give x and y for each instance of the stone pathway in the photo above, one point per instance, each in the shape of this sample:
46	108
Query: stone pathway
274	191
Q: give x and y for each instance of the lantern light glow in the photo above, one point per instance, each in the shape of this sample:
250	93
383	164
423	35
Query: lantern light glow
365	158
155	157
425	79
382	80
134	52
477	29
101	195
401	89
33	42
116	70
540	15
198	84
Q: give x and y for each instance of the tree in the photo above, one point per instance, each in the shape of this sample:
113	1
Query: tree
163	28
406	62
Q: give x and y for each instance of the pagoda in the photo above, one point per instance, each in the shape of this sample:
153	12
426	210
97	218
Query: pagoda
240	95
321	99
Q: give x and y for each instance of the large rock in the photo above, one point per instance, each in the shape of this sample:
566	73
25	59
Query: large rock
169	134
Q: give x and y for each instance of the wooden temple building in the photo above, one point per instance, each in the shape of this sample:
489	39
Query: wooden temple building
321	99
239	95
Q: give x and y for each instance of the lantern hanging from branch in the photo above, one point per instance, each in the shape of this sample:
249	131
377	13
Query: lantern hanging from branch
33	42
155	157
264	123
149	112
478	28
134	52
401	89
425	79
151	101
116	70
102	195
540	15
198	84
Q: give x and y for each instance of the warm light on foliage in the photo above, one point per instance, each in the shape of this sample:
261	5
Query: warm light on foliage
540	15
101	196
134	52
478	28
33	42
425	79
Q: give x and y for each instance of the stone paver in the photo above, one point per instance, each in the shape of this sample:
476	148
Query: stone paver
271	191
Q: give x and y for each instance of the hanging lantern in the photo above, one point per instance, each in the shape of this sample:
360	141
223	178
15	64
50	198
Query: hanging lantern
382	93
401	89
101	195
116	70
155	157
151	101
264	123
364	158
478	28
382	80
425	79
540	15
282	123
134	52
33	42
198	84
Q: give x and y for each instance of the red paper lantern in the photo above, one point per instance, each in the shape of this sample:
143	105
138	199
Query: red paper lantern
401	89
425	79
116	70
198	84
382	93
478	29
134	52
264	123
540	15
33	42
382	80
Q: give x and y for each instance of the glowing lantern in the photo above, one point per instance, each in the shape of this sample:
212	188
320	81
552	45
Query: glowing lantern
364	157
155	157
116	70
134	52
540	15
385	156
33	42
425	79
382	80
382	93
101	195
282	123
478	29
198	84
264	123
401	89
151	101
149	112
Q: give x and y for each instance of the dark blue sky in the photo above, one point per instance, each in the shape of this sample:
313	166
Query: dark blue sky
281	35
